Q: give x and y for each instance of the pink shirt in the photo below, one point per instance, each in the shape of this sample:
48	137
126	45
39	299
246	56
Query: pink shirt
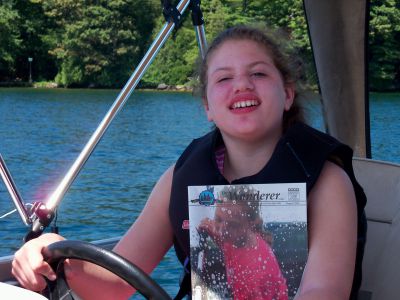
253	273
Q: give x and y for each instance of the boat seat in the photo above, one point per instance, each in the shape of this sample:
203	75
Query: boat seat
381	264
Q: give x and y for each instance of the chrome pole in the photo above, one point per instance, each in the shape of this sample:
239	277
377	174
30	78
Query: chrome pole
55	198
201	39
198	23
13	191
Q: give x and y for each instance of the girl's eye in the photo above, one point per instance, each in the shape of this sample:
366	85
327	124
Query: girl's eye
258	74
223	79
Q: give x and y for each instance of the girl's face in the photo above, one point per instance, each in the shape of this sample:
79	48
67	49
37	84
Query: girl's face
246	96
232	224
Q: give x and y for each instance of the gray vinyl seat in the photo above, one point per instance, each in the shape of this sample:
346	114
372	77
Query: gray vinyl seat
381	265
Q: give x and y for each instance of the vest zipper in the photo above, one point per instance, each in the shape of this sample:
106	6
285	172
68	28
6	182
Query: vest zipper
298	159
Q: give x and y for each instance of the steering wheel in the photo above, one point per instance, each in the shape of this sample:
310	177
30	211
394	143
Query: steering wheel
57	252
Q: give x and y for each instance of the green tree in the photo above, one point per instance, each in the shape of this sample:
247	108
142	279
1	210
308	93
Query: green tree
99	42
34	25
10	40
384	41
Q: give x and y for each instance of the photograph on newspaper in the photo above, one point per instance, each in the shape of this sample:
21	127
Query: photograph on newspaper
247	241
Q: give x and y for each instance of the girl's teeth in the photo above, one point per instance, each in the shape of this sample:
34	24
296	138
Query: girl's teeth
244	103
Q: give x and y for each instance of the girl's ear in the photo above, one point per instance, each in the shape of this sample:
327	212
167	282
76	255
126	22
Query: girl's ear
207	109
290	93
205	103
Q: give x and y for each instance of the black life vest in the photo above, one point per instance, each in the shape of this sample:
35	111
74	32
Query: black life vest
298	157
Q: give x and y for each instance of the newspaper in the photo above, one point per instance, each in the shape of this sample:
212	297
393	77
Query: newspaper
247	241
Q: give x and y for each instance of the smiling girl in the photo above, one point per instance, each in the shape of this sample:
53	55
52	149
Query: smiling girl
249	92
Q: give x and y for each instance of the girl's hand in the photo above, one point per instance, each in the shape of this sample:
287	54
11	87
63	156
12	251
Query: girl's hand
206	225
28	266
210	227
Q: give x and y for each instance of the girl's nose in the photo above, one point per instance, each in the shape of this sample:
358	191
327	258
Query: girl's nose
243	83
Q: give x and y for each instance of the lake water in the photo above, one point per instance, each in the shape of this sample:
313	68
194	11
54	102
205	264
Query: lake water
42	131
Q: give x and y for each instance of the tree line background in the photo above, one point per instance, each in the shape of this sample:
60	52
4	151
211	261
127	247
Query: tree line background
98	43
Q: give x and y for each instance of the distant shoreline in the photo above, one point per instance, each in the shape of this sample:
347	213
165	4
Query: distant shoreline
160	87
53	85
